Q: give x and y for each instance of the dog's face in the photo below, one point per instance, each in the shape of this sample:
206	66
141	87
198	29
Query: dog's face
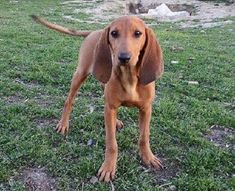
126	38
127	41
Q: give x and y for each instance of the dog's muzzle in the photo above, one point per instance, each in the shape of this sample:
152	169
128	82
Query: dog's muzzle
124	58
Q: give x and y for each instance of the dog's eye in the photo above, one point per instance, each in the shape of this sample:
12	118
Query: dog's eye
114	34
137	34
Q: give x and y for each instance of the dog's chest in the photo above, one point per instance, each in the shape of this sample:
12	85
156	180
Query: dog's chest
130	95
124	89
128	82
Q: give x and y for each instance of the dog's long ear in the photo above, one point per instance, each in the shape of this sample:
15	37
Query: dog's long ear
151	67
102	58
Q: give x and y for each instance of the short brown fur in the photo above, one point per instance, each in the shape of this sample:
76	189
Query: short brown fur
126	81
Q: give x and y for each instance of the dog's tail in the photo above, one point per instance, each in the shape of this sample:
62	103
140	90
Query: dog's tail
60	28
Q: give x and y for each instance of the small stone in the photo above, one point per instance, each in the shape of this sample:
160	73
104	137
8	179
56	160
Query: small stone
176	48
174	62
172	188
93	180
191	58
193	82
90	142
91	108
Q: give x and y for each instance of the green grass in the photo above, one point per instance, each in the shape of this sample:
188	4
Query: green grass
36	66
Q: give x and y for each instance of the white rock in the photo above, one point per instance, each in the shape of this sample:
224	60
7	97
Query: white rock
163	12
174	62
193	82
160	11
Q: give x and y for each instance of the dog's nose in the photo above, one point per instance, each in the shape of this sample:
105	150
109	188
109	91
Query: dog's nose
124	57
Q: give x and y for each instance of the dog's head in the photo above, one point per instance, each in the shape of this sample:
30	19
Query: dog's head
128	41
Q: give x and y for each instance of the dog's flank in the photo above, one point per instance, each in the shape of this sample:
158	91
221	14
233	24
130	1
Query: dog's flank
59	28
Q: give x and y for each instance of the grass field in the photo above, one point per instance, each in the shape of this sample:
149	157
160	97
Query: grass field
36	66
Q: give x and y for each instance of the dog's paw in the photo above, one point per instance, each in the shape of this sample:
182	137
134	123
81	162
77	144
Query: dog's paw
106	172
152	161
62	127
119	124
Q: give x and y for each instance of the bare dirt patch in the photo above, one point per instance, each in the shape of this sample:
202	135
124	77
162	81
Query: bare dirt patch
100	12
200	12
221	137
37	179
45	123
29	85
141	8
13	100
164	177
44	100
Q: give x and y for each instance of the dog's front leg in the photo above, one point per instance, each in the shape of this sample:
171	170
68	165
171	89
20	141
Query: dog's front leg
145	151
108	168
78	78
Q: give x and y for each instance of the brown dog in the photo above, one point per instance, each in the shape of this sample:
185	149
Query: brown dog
126	58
